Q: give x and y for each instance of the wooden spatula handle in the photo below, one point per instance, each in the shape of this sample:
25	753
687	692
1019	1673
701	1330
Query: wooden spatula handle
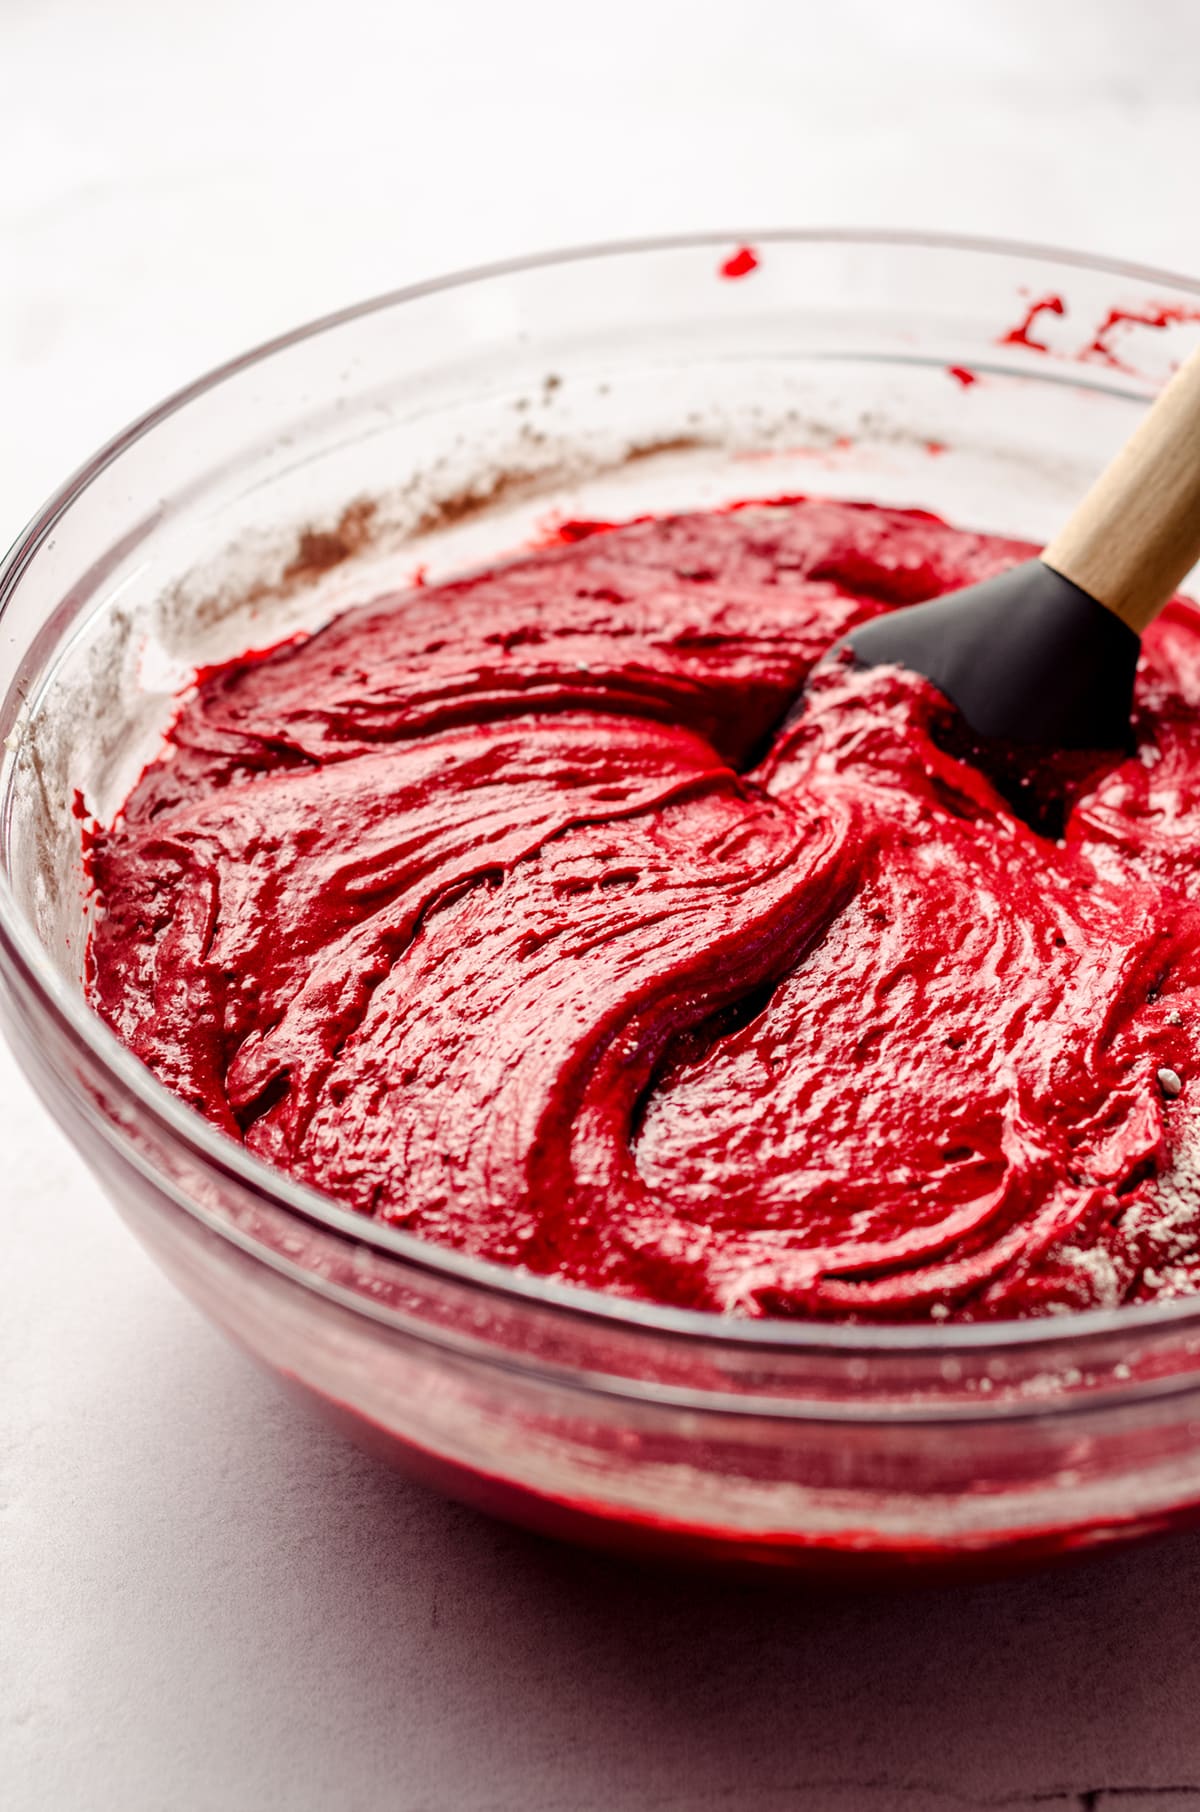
1137	532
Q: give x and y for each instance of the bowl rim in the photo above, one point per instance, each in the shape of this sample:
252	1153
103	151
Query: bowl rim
23	962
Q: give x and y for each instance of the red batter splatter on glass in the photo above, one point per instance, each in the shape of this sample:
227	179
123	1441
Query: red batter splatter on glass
743	261
1020	335
1156	315
962	375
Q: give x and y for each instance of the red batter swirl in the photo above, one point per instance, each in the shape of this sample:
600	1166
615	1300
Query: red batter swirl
508	912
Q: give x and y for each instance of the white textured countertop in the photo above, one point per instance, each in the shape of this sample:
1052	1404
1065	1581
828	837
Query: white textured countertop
205	1601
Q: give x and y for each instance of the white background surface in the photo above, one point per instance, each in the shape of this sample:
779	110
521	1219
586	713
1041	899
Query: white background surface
205	1602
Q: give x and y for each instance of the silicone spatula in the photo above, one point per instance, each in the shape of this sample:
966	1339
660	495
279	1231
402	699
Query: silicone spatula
1045	653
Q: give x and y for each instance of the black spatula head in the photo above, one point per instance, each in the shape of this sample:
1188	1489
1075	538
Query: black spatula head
1027	657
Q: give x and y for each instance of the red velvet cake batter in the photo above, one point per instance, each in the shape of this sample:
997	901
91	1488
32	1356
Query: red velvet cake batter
508	911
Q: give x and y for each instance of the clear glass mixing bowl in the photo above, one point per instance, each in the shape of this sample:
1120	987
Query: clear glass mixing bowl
435	428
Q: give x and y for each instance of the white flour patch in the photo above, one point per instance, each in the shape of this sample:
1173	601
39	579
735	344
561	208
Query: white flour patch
1170	1219
1106	1281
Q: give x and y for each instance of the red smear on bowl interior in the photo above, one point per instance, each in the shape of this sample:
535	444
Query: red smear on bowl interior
1021	334
741	263
1159	315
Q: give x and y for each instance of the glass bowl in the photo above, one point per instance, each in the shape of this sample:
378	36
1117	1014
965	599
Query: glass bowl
436	428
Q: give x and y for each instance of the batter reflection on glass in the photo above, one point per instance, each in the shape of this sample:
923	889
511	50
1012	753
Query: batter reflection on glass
518	912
